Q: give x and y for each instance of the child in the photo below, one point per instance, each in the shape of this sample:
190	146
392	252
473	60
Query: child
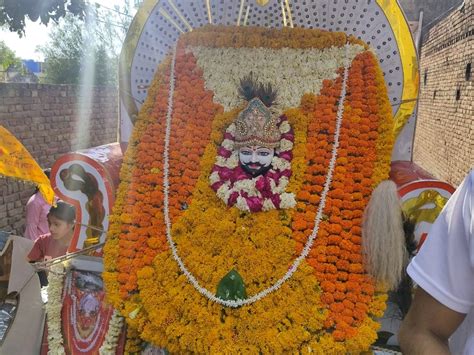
55	243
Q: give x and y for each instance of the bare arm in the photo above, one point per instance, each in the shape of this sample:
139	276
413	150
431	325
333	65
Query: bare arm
32	221
428	326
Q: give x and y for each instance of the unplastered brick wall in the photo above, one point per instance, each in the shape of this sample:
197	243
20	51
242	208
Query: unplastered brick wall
51	120
444	139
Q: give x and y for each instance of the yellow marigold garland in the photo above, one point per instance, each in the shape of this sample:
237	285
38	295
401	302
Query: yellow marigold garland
133	344
263	238
279	322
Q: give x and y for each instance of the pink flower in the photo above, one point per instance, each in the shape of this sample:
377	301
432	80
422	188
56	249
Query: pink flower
260	184
225	173
263	186
224	152
289	136
276	200
255	203
232	198
287	155
215	186
239	174
228	136
286	173
273	175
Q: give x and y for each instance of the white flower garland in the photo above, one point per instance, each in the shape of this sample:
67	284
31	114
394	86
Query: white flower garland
113	333
53	311
332	163
302	71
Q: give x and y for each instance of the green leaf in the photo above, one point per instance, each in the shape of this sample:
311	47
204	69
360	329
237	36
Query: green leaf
231	287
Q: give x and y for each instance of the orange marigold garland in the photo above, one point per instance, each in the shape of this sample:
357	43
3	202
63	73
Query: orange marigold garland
137	231
365	139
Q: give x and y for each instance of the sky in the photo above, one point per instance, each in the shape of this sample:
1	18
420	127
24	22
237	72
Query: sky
37	34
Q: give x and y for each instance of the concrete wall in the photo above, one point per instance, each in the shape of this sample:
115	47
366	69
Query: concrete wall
51	120
444	138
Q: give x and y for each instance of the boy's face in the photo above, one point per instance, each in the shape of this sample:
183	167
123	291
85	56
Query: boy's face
58	228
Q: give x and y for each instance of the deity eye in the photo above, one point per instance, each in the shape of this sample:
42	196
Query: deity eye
263	154
246	152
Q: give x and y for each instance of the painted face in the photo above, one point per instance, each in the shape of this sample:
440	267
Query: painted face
59	228
88	312
256	160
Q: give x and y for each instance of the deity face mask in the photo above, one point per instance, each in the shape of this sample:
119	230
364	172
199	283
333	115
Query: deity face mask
256	160
88	313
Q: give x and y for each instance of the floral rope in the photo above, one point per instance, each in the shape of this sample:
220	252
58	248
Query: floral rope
205	292
53	310
111	338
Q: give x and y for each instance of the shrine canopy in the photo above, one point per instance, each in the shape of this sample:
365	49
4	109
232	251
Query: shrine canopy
17	163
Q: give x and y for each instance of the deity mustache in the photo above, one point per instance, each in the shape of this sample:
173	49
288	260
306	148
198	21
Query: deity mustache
256	169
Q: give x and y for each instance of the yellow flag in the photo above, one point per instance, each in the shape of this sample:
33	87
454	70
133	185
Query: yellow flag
16	162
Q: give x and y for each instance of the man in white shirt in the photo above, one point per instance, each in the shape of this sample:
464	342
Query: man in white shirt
444	273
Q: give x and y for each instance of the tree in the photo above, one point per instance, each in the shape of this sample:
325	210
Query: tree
111	26
105	67
75	47
8	57
13	13
63	53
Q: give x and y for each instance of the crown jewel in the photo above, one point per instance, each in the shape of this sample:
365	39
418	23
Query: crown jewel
256	126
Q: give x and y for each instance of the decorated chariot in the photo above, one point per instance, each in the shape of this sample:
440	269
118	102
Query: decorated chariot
253	135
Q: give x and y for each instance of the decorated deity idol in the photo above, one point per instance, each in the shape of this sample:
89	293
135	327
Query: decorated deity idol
254	161
84	313
237	226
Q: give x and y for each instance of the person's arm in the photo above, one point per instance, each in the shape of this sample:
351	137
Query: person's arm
36	253
428	326
32	220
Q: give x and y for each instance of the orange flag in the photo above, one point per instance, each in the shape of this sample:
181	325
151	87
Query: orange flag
16	162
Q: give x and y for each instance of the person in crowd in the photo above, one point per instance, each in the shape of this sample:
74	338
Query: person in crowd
36	214
443	306
61	220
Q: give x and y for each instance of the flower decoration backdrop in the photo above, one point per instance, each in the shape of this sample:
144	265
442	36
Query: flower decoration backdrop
329	304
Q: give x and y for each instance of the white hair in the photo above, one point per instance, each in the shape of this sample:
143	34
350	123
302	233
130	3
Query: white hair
383	237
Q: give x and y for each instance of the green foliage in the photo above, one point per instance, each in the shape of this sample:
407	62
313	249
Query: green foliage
84	53
105	68
8	58
63	53
13	13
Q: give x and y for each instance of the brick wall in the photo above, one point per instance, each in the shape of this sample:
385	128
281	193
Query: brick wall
51	120
444	138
